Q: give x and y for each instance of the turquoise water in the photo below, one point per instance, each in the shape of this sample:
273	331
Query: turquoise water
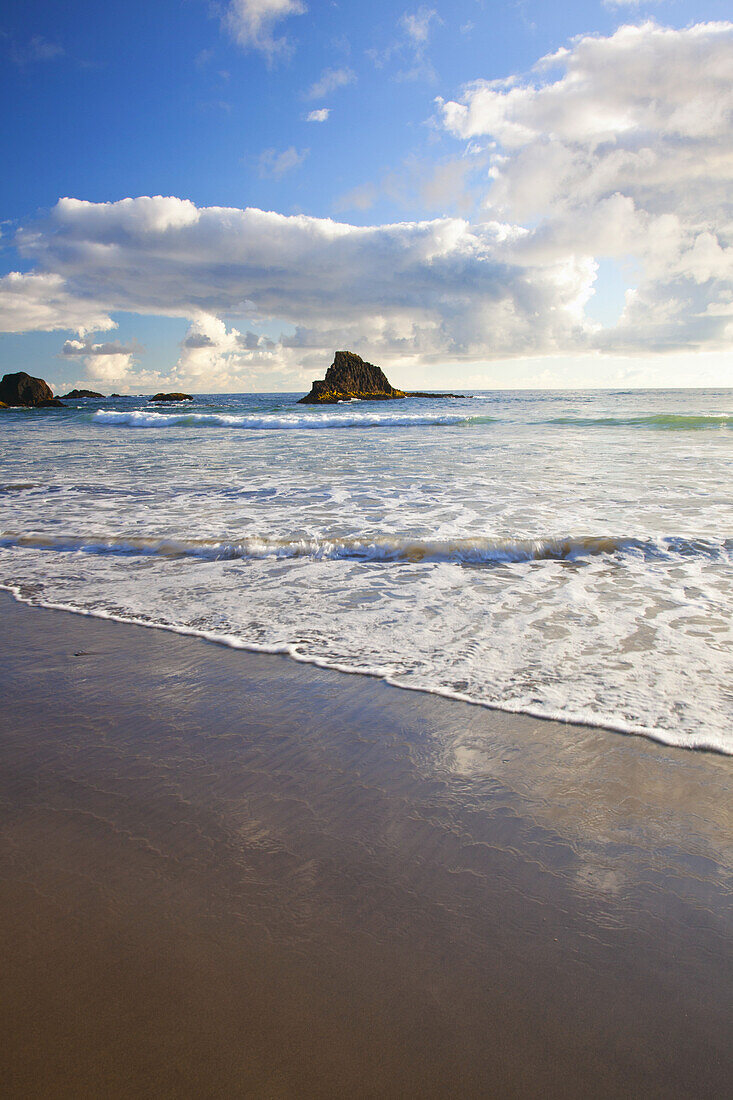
561	554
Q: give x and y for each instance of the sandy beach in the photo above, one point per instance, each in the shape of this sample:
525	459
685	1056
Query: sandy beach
227	874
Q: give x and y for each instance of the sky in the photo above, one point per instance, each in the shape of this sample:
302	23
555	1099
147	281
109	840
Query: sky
483	193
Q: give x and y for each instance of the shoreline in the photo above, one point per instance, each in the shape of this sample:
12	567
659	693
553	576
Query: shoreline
228	873
661	737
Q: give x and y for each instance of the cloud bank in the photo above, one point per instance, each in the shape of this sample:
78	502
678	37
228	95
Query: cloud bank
433	288
616	147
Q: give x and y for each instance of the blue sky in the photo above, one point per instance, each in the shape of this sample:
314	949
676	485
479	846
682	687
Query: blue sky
544	226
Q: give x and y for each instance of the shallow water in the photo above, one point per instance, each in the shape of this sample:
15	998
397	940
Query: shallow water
560	554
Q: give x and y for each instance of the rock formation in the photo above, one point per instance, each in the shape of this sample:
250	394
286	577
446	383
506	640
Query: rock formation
350	377
75	394
172	397
22	390
430	393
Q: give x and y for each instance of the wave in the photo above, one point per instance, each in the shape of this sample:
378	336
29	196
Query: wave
472	552
139	419
660	421
706	741
314	421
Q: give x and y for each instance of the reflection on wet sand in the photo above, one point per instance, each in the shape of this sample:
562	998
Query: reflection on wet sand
227	874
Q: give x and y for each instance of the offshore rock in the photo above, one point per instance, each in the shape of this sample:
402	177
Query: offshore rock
172	397
72	394
430	393
350	378
22	390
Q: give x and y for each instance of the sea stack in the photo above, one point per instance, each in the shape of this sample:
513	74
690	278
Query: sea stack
74	395
24	391
171	397
350	378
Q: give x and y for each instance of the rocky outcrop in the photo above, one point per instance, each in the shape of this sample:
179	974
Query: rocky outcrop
22	390
75	394
349	378
172	397
426	393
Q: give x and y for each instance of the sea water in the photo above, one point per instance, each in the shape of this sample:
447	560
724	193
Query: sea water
562	554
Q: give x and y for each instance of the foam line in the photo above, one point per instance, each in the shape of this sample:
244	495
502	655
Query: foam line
701	742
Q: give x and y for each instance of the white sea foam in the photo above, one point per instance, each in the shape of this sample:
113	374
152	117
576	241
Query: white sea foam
582	574
709	740
467	551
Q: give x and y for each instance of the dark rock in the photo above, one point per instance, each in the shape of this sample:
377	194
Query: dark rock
350	377
73	394
172	397
421	393
22	390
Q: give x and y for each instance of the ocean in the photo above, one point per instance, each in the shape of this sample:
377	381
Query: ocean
561	554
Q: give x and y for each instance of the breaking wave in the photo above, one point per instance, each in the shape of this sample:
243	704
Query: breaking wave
473	551
146	419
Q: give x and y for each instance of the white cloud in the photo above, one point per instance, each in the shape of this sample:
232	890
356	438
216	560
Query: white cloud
434	289
251	23
206	352
616	147
276	164
86	347
116	370
620	146
111	363
44	303
330	80
409	49
214	357
417	25
320	115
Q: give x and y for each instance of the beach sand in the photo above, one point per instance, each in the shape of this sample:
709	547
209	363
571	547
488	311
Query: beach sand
228	874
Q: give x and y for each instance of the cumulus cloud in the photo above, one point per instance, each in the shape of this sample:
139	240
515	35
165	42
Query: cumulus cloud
320	115
330	80
44	303
615	147
252	23
111	363
433	289
214	356
207	351
620	146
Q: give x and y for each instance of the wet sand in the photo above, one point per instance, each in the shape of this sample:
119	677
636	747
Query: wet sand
226	874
